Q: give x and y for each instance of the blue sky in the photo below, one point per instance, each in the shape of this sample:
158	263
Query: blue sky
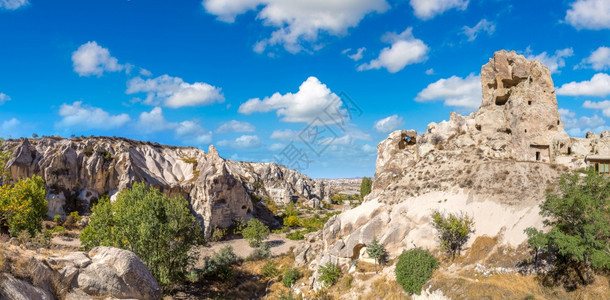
257	78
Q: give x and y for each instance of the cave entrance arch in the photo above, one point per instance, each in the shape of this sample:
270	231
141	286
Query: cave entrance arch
356	251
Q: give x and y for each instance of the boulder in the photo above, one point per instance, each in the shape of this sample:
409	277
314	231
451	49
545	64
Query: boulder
15	289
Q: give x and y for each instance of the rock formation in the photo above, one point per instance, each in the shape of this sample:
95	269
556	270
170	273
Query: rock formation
496	165
103	272
79	171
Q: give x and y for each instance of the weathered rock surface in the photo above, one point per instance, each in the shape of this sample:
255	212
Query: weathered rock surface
104	272
496	165
79	171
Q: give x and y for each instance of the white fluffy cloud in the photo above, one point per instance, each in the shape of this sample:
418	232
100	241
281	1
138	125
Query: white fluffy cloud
356	56
10	125
428	9
455	91
3	98
312	101
482	26
174	92
92	59
405	50
604	106
589	14
13	4
235	126
389	124
190	132
283	135
599	85
553	62
579	126
298	22
243	142
154	121
79	116
598	60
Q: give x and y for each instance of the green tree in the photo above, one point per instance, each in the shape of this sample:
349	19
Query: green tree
159	229
291	276
376	251
255	233
365	186
453	230
5	174
414	268
579	221
329	274
23	206
538	241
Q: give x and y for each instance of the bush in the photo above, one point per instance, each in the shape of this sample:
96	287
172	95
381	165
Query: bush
219	265
23	206
5	174
58	230
291	210
329	274
270	269
72	220
291	276
296	236
263	251
292	221
255	233
453	230
414	268
57	219
218	234
159	230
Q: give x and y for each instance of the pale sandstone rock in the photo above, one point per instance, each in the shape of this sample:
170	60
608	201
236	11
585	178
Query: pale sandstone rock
494	165
78	171
15	289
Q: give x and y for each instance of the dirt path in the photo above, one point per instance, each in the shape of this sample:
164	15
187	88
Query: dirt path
278	242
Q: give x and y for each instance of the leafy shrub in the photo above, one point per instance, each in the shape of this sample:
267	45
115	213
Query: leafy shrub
23	206
291	210
58	230
219	265
218	234
292	221
255	233
271	206
296	236
291	276
453	230
270	269
57	219
159	230
329	274
261	252
238	226
72	220
414	268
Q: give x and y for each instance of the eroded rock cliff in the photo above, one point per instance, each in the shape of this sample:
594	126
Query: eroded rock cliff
79	171
496	165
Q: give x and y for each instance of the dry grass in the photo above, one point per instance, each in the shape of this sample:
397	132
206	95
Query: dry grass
481	248
385	288
513	286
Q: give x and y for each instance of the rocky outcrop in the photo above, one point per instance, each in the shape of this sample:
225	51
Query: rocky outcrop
80	170
103	272
495	165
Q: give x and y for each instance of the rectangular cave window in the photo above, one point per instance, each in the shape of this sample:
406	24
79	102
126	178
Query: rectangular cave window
529	102
569	150
558	122
537	155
